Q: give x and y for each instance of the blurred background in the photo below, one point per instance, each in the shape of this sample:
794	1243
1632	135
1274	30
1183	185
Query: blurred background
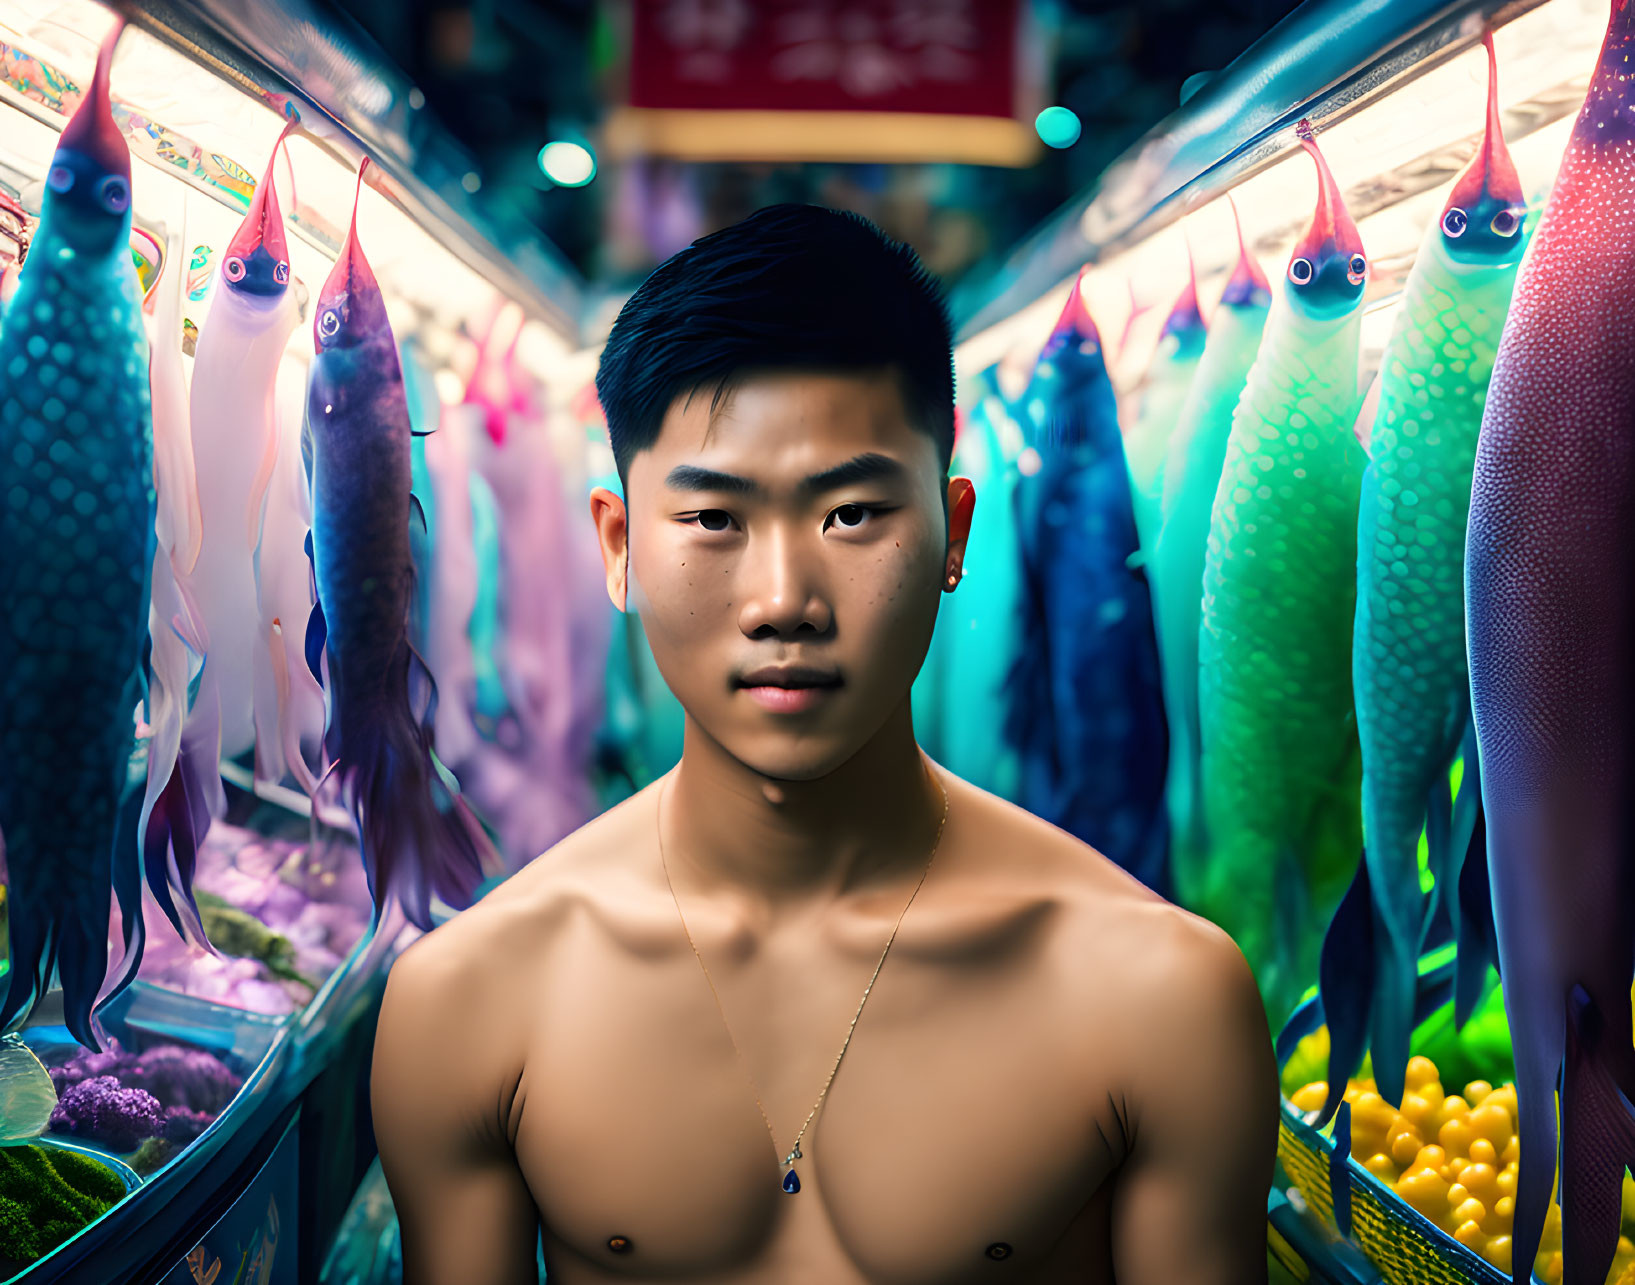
508	77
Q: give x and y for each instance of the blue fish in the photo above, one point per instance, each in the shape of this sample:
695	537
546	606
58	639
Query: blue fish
77	527
1086	713
416	834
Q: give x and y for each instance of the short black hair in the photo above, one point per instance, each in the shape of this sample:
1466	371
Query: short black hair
791	286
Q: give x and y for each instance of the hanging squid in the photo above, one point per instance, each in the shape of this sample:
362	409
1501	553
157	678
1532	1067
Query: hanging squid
1279	755
1085	714
235	446
416	834
1192	471
1550	616
1408	658
76	524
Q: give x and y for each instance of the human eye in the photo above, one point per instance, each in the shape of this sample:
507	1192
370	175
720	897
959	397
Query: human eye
713	520
853	517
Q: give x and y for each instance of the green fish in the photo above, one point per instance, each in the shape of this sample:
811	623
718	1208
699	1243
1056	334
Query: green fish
1280	764
1192	472
1409	663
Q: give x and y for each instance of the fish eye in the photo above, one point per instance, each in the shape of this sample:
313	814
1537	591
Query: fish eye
1357	269
60	179
233	269
1300	271
1505	223
115	194
329	323
1454	221
281	272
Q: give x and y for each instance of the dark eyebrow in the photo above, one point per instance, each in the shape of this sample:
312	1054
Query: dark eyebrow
868	467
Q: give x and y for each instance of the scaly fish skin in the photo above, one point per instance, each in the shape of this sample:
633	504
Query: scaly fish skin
77	530
1086	712
1551	620
1409	668
1192	472
1279	742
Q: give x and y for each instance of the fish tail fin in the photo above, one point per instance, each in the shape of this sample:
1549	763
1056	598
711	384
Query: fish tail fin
1391	1019
127	887
174	829
1344	970
1468	889
31	945
1538	1064
1478	949
175	822
417	835
1597	1133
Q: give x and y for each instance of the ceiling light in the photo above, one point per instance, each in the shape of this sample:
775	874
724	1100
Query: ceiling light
569	164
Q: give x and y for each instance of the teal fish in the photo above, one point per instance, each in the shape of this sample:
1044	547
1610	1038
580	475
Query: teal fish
1280	764
1192	471
1409	666
77	527
1180	349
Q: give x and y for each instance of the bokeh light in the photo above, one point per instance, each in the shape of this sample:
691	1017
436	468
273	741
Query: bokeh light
1057	126
569	164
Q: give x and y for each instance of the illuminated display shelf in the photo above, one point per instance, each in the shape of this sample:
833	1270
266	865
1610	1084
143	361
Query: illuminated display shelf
1396	124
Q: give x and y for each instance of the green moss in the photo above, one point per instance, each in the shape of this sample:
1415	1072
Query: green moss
47	1195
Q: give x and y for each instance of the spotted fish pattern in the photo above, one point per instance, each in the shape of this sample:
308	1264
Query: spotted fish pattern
77	535
1412	684
1550	569
1279	755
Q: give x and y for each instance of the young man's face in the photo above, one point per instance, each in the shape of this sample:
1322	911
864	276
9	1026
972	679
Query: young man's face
785	557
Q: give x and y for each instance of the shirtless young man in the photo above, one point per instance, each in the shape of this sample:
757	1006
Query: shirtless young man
1057	1076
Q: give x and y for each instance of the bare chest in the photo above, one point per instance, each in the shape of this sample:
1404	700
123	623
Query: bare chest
967	1135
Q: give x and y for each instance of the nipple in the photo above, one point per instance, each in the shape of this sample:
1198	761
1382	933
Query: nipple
772	792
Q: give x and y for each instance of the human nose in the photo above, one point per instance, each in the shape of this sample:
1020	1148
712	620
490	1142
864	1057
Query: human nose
782	595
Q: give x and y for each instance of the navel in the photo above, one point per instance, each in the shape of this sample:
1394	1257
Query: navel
623	1244
999	1249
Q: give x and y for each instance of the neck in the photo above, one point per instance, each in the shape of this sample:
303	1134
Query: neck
869	822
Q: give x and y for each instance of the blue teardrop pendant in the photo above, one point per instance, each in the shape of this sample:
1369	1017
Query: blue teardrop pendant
791	1183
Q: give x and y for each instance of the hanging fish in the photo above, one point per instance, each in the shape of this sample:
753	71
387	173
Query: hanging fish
1408	651
1192	472
181	791
416	834
977	623
289	704
235	445
76	524
1180	349
1086	714
538	665
1550	616
454	579
1279	757
491	704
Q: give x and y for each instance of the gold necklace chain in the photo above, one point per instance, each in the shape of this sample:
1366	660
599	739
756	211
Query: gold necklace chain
791	1183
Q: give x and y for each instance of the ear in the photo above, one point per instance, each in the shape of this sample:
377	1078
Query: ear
608	512
961	504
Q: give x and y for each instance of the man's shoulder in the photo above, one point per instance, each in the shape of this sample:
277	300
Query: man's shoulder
518	918
1106	913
